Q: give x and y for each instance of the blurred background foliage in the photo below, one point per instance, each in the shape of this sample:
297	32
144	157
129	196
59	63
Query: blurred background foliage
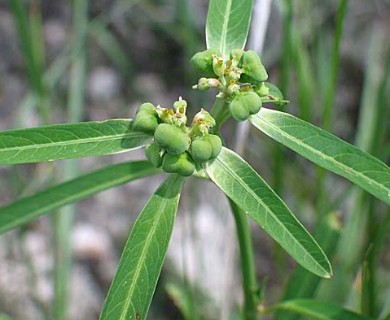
70	61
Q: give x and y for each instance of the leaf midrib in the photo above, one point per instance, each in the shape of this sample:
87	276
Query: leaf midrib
72	142
80	194
250	191
141	261
225	25
340	165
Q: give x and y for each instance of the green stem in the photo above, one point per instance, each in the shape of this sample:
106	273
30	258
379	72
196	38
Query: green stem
220	112
248	271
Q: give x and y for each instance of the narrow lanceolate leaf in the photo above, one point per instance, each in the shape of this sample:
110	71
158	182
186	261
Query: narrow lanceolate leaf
134	284
69	141
29	208
227	24
327	151
320	310
252	194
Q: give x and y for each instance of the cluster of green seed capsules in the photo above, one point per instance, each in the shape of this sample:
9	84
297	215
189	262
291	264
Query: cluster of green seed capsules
176	147
240	79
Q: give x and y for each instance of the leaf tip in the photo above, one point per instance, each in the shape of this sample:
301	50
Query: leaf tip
328	275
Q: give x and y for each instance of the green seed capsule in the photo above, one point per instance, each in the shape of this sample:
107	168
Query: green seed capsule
147	108
252	101
171	138
201	149
206	147
245	104
238	109
203	62
216	145
146	119
181	164
153	154
253	69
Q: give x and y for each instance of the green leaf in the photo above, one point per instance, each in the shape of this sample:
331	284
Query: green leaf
326	150
250	192
227	24
69	141
133	287
321	310
29	208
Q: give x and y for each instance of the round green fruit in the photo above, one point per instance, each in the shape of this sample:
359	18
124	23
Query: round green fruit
171	138
146	119
203	62
147	108
181	164
253	69
206	147
238	109
251	101
201	149
153	154
216	145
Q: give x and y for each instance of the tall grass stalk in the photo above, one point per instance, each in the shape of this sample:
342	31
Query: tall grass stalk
29	28
64	219
330	92
357	236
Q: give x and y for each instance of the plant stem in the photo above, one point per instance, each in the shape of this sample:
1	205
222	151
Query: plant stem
220	112
248	271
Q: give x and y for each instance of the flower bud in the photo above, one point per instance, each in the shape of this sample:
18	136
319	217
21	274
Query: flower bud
253	69
180	106
236	54
202	85
204	117
165	115
218	66
171	138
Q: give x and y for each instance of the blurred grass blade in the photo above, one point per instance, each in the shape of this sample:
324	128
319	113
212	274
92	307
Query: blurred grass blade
353	239
139	268
326	150
29	208
63	220
21	20
251	193
111	46
327	115
227	24
69	141
303	284
305	75
316	309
